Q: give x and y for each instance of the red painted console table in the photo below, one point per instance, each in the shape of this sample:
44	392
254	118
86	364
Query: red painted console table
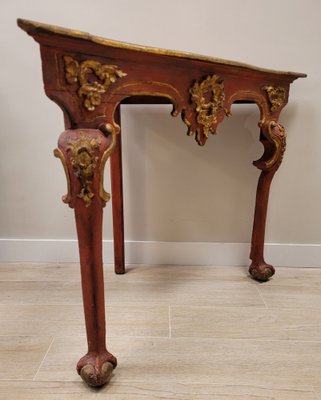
89	77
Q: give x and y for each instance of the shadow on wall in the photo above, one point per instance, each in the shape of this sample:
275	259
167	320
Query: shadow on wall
175	190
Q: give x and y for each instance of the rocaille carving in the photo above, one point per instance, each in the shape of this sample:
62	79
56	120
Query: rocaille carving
276	96
208	96
277	135
84	161
76	72
59	154
107	129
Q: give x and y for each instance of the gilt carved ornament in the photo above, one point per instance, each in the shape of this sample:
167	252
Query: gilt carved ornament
105	75
276	96
84	161
208	97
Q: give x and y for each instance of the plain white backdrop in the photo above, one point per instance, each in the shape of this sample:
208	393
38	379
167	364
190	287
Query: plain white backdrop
175	191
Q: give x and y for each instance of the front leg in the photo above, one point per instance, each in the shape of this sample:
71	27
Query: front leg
84	153
96	366
273	137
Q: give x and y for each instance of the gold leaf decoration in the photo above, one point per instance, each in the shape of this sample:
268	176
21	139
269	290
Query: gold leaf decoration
276	96
59	154
106	74
208	96
277	134
84	162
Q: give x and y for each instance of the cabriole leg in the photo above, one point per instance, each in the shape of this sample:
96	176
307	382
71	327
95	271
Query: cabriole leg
84	153
273	137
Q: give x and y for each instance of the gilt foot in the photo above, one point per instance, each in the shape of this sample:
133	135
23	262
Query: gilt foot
96	369
261	272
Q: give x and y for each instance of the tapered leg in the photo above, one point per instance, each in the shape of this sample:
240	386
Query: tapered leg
273	138
84	153
117	202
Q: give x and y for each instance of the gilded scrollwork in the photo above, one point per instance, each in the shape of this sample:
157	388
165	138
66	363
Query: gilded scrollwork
276	96
107	129
59	154
76	72
275	135
208	96
84	162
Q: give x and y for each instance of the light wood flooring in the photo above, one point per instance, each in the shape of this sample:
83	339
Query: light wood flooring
192	333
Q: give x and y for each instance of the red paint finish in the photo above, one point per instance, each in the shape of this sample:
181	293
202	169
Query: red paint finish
144	76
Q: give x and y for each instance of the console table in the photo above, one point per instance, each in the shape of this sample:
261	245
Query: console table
89	77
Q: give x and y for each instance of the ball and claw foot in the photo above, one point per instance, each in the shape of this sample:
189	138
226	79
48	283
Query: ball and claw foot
96	370
261	272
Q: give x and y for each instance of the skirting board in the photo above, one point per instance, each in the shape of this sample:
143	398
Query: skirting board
179	253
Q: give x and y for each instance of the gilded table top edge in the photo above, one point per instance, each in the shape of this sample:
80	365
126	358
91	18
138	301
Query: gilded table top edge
31	26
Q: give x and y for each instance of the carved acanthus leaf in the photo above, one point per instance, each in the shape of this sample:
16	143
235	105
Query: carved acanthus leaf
106	74
208	97
276	96
84	162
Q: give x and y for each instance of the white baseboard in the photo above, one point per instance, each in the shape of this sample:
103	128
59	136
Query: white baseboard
181	253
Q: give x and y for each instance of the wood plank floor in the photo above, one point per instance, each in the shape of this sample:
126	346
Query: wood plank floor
192	333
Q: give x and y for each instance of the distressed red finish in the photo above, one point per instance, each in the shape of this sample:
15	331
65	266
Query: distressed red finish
89	77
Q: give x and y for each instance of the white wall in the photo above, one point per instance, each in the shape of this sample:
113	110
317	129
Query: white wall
174	190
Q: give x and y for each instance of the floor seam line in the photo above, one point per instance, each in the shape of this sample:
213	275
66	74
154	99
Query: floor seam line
261	297
41	364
